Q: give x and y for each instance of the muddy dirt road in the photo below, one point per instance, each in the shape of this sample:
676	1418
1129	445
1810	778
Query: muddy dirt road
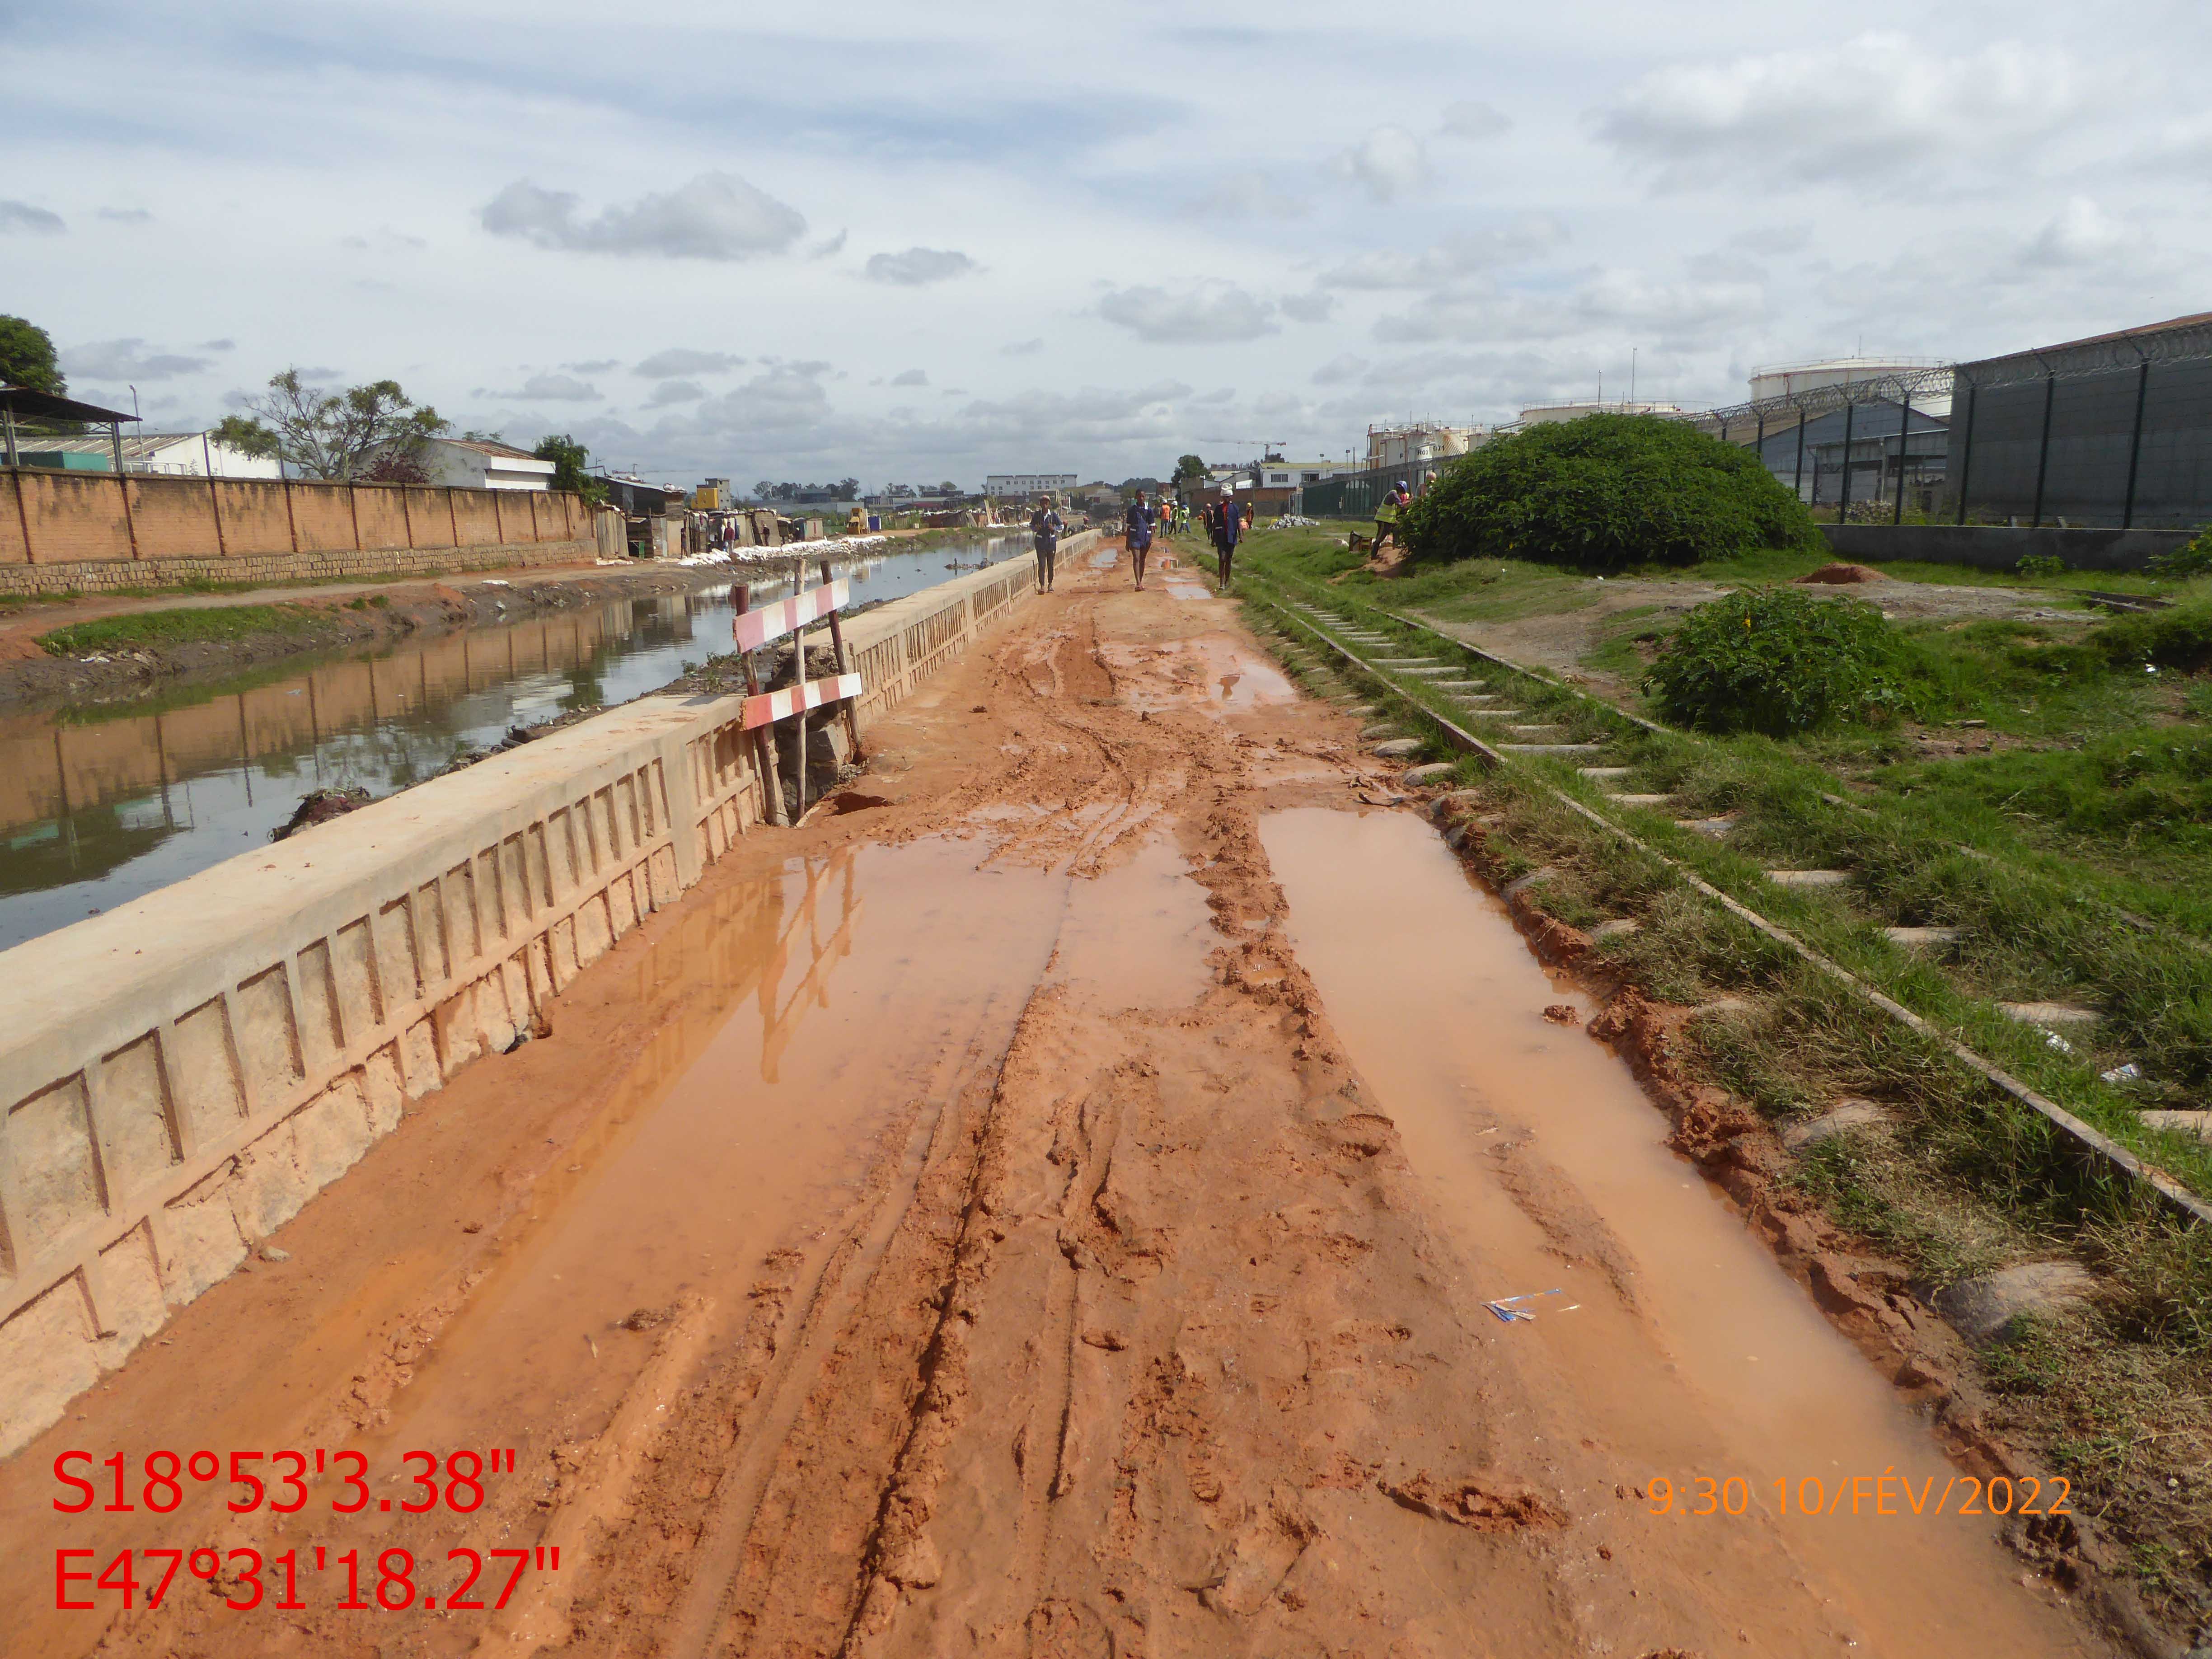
1046	1209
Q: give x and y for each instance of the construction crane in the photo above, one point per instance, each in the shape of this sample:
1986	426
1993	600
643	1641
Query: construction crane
1265	444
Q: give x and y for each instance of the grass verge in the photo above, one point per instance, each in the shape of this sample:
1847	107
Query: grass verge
144	629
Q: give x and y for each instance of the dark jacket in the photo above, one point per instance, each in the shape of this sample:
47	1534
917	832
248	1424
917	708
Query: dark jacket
1045	525
1232	524
1141	519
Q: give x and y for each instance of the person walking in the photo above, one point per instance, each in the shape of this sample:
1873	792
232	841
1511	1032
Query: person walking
1045	526
1232	527
1138	532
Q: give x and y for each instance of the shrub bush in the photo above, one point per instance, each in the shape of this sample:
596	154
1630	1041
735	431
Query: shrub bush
2040	564
1605	491
1776	660
2190	559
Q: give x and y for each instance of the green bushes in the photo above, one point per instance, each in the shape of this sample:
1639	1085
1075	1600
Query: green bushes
1605	491
2191	559
2178	638
1776	660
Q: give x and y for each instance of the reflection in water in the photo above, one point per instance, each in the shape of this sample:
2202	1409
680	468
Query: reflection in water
101	805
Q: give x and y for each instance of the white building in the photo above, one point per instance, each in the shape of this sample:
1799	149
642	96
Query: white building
1417	443
180	454
480	464
1007	485
1277	473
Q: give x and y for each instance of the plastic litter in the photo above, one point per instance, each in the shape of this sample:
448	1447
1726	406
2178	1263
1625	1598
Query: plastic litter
1508	1310
2121	1076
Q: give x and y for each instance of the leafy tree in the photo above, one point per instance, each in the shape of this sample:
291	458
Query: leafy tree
1189	467
948	488
1604	491
570	459
394	466
331	435
845	490
26	358
1777	660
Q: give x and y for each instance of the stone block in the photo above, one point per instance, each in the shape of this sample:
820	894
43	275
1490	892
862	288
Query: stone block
199	1241
130	1308
268	1040
386	1100
1398	748
459	1030
418	1049
268	1186
330	1133
204	1072
56	1184
46	1359
134	1117
1842	1118
1984	1310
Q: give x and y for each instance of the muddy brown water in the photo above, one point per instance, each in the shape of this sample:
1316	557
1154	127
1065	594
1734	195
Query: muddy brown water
1675	1336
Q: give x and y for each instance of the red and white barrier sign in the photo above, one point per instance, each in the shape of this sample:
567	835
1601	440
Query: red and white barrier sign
755	628
772	706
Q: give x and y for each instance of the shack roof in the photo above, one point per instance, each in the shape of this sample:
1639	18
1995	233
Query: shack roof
22	401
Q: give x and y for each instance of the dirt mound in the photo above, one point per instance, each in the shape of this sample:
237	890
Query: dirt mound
1841	575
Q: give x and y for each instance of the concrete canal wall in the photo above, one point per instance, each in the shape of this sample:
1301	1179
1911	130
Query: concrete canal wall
94	531
181	1075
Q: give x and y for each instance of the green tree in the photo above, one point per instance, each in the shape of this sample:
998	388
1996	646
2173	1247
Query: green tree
1605	491
26	358
332	435
570	459
1189	467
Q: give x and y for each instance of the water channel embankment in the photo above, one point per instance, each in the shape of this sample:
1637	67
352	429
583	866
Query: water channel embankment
182	1072
110	798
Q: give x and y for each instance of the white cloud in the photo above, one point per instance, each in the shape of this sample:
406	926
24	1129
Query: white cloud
1389	162
2081	233
829	247
674	392
1689	313
1475	121
126	360
22	216
125	216
1314	307
1880	108
550	388
1206	315
718	215
919	266
1245	196
1023	348
911	377
1448	261
1340	370
683	360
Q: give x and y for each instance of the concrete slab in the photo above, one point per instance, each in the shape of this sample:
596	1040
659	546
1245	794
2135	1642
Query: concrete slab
1380	729
1397	749
2187	1123
1419	775
1809	877
1643	800
1986	1310
2049	1013
1922	938
1618	927
1843	1117
1714	827
1601	773
1553	751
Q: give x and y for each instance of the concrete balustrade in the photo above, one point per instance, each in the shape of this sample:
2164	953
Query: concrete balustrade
181	1075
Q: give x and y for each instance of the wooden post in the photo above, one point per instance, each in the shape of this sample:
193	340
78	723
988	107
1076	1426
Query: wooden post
763	737
452	515
844	666
799	669
291	518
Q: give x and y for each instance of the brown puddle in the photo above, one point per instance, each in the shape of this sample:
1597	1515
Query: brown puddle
867	981
1677	1346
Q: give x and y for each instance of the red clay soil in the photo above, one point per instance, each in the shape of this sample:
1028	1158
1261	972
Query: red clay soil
1037	1273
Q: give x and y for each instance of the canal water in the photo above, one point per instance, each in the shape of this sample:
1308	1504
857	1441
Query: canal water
101	805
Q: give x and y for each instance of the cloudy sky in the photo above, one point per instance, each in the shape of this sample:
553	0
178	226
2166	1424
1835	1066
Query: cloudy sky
909	242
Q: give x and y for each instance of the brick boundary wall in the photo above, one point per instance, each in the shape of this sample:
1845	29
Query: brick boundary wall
181	1075
92	533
